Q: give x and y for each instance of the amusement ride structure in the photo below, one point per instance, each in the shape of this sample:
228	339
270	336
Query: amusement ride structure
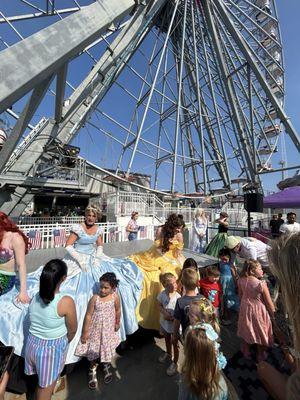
190	92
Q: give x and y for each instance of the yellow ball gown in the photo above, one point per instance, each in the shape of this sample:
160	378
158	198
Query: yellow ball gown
153	263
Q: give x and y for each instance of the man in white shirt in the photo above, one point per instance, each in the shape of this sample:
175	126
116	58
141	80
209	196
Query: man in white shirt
249	247
291	226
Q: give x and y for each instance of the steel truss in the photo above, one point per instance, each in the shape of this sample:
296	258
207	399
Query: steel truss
202	83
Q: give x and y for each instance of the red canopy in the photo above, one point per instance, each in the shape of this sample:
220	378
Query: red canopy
287	198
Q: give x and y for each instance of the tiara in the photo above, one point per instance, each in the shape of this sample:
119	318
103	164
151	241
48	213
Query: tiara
92	208
212	335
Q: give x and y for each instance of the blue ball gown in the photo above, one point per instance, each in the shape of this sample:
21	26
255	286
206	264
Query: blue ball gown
80	285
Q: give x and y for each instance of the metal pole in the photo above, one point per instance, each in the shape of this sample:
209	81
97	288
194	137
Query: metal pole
179	100
152	89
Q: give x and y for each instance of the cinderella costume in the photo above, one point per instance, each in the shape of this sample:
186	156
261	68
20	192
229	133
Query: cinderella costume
80	285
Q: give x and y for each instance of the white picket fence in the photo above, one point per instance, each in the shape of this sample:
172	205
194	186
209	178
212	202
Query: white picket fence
48	236
54	235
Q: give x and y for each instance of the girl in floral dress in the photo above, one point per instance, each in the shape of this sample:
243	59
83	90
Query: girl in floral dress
100	338
256	311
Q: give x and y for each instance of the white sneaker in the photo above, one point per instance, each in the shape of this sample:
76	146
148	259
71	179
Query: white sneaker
163	357
172	369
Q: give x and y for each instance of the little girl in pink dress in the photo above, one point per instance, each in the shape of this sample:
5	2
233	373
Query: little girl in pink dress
100	337
256	311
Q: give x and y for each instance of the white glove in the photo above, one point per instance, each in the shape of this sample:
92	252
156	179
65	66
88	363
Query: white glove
99	255
80	258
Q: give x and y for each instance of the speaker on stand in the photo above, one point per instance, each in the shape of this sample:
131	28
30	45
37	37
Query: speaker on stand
253	202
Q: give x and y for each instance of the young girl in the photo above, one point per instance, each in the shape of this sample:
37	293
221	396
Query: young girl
53	323
167	301
228	280
256	311
99	338
202	311
201	376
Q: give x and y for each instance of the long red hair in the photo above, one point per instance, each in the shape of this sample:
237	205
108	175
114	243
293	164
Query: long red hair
7	225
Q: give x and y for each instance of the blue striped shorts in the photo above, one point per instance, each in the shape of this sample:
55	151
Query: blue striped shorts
46	358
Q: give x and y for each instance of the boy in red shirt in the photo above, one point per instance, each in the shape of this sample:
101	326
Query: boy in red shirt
211	288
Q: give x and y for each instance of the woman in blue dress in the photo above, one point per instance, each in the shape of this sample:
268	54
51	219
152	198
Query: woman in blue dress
86	263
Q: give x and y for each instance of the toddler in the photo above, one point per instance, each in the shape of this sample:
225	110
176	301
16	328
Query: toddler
228	280
211	288
167	301
188	263
181	312
100	338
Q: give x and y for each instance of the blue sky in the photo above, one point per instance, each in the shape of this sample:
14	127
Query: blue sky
289	11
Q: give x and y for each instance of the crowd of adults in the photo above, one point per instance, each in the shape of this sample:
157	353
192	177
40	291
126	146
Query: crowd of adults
279	227
69	299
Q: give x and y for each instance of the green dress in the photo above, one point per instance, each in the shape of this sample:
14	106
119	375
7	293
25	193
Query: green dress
217	242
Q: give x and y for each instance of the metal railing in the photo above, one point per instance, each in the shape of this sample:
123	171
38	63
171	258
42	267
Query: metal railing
32	221
55	235
123	203
44	236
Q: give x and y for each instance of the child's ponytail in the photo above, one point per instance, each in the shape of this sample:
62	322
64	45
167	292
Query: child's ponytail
52	274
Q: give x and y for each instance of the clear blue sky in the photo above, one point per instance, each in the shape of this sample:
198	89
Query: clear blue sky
289	12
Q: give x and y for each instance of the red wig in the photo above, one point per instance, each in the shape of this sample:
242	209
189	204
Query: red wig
7	225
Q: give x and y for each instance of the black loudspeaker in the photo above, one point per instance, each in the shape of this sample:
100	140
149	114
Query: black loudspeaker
253	202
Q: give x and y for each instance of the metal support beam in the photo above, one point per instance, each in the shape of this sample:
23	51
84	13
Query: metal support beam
22	17
24	120
47	50
94	88
229	86
60	91
259	76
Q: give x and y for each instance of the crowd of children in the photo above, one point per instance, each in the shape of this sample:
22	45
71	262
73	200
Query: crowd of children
193	319
190	311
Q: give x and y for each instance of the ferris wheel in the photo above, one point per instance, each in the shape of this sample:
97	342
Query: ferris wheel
190	92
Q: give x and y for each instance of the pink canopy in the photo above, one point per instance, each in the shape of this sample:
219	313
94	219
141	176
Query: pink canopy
287	198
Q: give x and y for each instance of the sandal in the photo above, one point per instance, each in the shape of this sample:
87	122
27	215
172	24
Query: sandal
93	382
107	374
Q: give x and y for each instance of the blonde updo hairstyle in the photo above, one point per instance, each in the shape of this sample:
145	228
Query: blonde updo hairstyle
95	210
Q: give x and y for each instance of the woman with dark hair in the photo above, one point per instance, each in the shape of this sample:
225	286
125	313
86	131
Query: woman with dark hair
13	247
218	241
53	324
86	263
164	256
173	219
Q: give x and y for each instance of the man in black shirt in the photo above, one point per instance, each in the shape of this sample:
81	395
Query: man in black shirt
275	225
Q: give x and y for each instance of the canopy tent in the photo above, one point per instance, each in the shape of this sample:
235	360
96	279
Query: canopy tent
287	198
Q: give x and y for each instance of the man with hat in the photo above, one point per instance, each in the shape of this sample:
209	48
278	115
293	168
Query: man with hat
249	247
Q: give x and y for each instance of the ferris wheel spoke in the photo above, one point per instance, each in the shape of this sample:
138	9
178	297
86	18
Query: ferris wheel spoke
211	88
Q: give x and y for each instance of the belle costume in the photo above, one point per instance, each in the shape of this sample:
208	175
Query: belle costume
152	263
